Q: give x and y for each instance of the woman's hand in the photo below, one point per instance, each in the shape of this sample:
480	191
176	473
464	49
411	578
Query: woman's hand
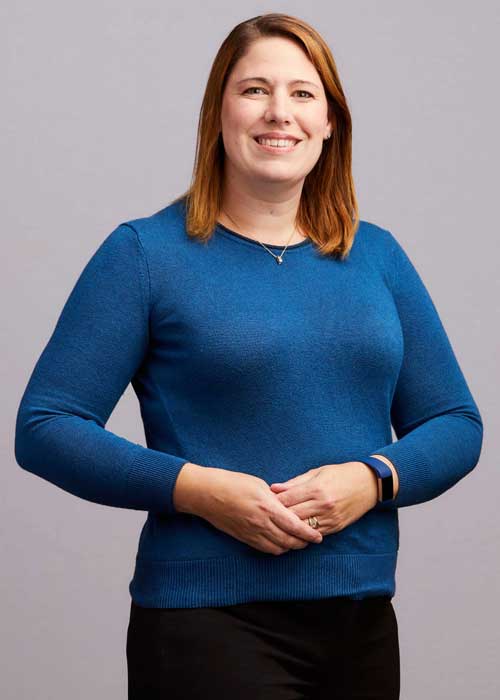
243	506
337	494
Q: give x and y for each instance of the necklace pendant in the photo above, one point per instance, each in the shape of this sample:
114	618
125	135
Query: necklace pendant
279	259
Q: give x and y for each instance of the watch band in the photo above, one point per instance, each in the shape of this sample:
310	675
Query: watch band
384	473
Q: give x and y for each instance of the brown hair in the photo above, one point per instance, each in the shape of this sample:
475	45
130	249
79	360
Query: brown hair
328	209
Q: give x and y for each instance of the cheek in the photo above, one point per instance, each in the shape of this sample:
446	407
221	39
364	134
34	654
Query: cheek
234	147
316	121
241	117
236	131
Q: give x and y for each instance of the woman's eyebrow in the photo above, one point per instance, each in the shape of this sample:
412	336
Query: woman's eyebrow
268	82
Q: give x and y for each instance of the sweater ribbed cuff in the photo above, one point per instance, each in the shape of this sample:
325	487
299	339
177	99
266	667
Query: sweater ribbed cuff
415	483
152	478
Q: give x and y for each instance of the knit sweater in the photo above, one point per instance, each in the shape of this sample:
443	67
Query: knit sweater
243	364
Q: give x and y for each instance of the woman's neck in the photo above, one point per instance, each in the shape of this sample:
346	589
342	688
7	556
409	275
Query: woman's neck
274	237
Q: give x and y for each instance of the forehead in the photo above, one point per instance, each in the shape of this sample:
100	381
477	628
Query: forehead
274	58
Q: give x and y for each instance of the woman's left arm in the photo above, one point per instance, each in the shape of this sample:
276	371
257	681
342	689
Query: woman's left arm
435	418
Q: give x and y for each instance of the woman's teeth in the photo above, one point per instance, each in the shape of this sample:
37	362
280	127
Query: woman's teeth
280	143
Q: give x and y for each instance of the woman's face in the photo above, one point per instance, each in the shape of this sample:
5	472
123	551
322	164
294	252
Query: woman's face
251	107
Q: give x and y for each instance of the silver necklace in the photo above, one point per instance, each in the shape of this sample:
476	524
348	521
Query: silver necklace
278	258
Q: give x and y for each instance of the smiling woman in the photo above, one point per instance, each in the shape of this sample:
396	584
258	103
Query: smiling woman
270	364
272	135
275	77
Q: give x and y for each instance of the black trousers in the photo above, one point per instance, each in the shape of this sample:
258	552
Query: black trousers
330	648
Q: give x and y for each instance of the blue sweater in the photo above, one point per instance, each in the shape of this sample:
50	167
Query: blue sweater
243	364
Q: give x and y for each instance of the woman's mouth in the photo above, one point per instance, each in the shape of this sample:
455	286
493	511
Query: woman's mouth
276	145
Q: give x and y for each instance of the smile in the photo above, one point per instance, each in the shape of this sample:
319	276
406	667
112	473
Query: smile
277	149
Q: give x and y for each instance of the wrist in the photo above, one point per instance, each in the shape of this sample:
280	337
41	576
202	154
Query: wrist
395	477
189	487
372	480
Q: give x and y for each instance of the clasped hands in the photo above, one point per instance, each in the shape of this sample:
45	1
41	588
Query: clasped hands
337	494
245	506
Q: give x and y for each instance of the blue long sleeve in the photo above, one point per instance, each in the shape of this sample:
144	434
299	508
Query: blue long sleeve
242	364
435	418
100	340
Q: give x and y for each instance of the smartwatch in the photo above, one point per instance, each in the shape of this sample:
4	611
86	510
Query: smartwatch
384	475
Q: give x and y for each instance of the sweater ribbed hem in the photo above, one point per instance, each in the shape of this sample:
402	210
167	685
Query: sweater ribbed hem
231	580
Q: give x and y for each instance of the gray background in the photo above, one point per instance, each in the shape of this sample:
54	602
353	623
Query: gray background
100	114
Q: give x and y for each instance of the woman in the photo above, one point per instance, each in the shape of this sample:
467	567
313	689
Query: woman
271	337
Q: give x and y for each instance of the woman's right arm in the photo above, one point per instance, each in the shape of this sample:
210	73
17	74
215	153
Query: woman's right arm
98	344
94	352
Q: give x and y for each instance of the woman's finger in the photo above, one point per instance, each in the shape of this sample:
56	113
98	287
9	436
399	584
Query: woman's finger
292	482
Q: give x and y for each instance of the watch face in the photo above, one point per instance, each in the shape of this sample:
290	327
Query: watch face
387	488
384	476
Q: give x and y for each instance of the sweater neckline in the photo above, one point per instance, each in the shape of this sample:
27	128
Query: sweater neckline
229	233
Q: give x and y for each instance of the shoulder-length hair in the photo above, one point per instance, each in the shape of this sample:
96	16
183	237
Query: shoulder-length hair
328	209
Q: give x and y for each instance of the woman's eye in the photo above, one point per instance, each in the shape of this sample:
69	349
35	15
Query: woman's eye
306	92
252	88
